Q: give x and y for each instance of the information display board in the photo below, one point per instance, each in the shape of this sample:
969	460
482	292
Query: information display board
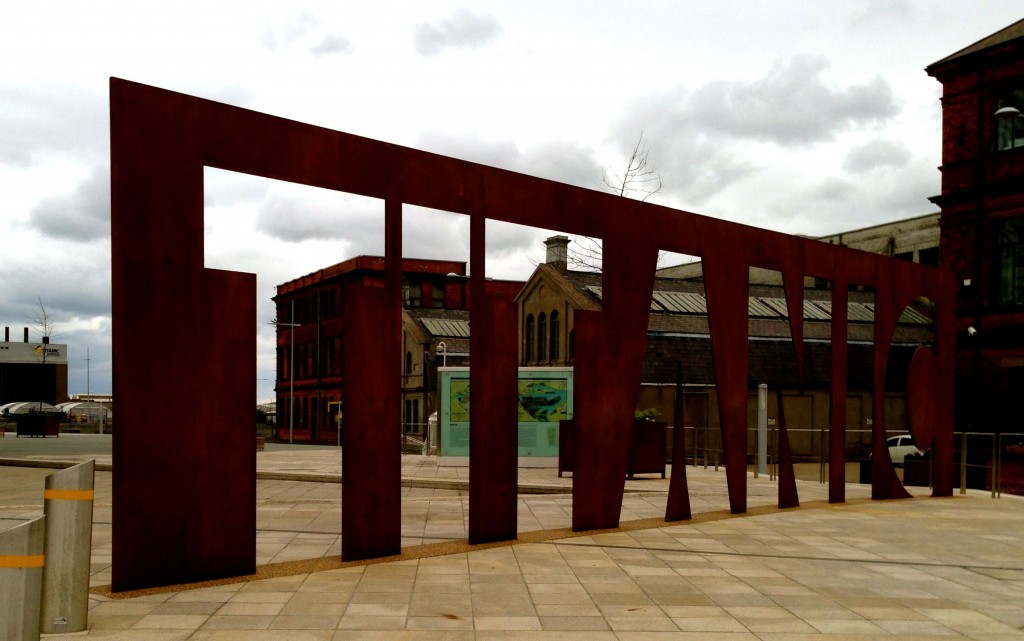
545	398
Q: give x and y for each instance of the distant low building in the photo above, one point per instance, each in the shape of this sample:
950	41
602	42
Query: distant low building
86	412
32	371
266	413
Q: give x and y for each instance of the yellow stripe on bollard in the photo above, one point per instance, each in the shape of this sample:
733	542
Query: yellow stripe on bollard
69	495
22	561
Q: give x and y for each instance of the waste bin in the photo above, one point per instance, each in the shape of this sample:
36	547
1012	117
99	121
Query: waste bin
865	472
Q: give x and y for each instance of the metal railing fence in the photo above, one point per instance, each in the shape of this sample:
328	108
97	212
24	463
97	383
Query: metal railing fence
983	460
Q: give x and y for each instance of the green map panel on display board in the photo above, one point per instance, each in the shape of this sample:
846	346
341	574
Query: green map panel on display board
545	398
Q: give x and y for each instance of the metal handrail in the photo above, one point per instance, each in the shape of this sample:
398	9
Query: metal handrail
705	449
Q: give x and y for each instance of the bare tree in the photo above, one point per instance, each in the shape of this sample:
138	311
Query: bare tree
638	180
43	322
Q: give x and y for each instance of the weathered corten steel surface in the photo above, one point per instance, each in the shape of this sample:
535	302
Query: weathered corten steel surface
677	504
371	523
494	381
610	350
837	402
185	487
184	499
788	496
494	441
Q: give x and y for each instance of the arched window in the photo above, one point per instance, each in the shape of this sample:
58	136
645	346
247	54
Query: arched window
554	336
542	337
528	340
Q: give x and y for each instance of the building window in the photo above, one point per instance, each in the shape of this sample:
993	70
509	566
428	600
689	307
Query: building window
412	293
542	337
408	363
528	339
1010	120
1011	262
412	416
437	295
554	336
330	302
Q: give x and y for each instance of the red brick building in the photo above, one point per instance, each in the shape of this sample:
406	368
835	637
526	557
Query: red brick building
982	222
310	385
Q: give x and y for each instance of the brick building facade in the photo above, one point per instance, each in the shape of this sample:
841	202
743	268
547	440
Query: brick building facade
679	349
982	222
310	385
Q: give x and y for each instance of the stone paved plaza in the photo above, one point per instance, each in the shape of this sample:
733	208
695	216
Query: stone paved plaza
915	569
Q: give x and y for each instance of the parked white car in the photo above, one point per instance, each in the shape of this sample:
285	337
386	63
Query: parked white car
900	447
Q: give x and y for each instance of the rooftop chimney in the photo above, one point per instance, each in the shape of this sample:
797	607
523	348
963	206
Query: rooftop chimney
558	251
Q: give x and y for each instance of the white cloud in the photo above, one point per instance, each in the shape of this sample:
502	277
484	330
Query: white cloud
876	153
81	216
791	105
694	164
875	12
46	119
464	29
357	222
72	279
705	140
330	45
285	32
843	131
561	160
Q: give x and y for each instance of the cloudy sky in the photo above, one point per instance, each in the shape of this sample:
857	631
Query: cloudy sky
804	116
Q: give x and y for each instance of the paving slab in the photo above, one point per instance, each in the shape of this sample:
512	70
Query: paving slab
921	568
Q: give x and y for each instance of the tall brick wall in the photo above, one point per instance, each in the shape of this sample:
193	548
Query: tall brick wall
981	187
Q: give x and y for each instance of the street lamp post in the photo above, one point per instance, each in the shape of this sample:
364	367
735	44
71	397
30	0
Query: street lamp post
291	375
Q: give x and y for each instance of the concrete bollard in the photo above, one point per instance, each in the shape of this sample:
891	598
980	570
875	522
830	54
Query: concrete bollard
67	504
21	578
